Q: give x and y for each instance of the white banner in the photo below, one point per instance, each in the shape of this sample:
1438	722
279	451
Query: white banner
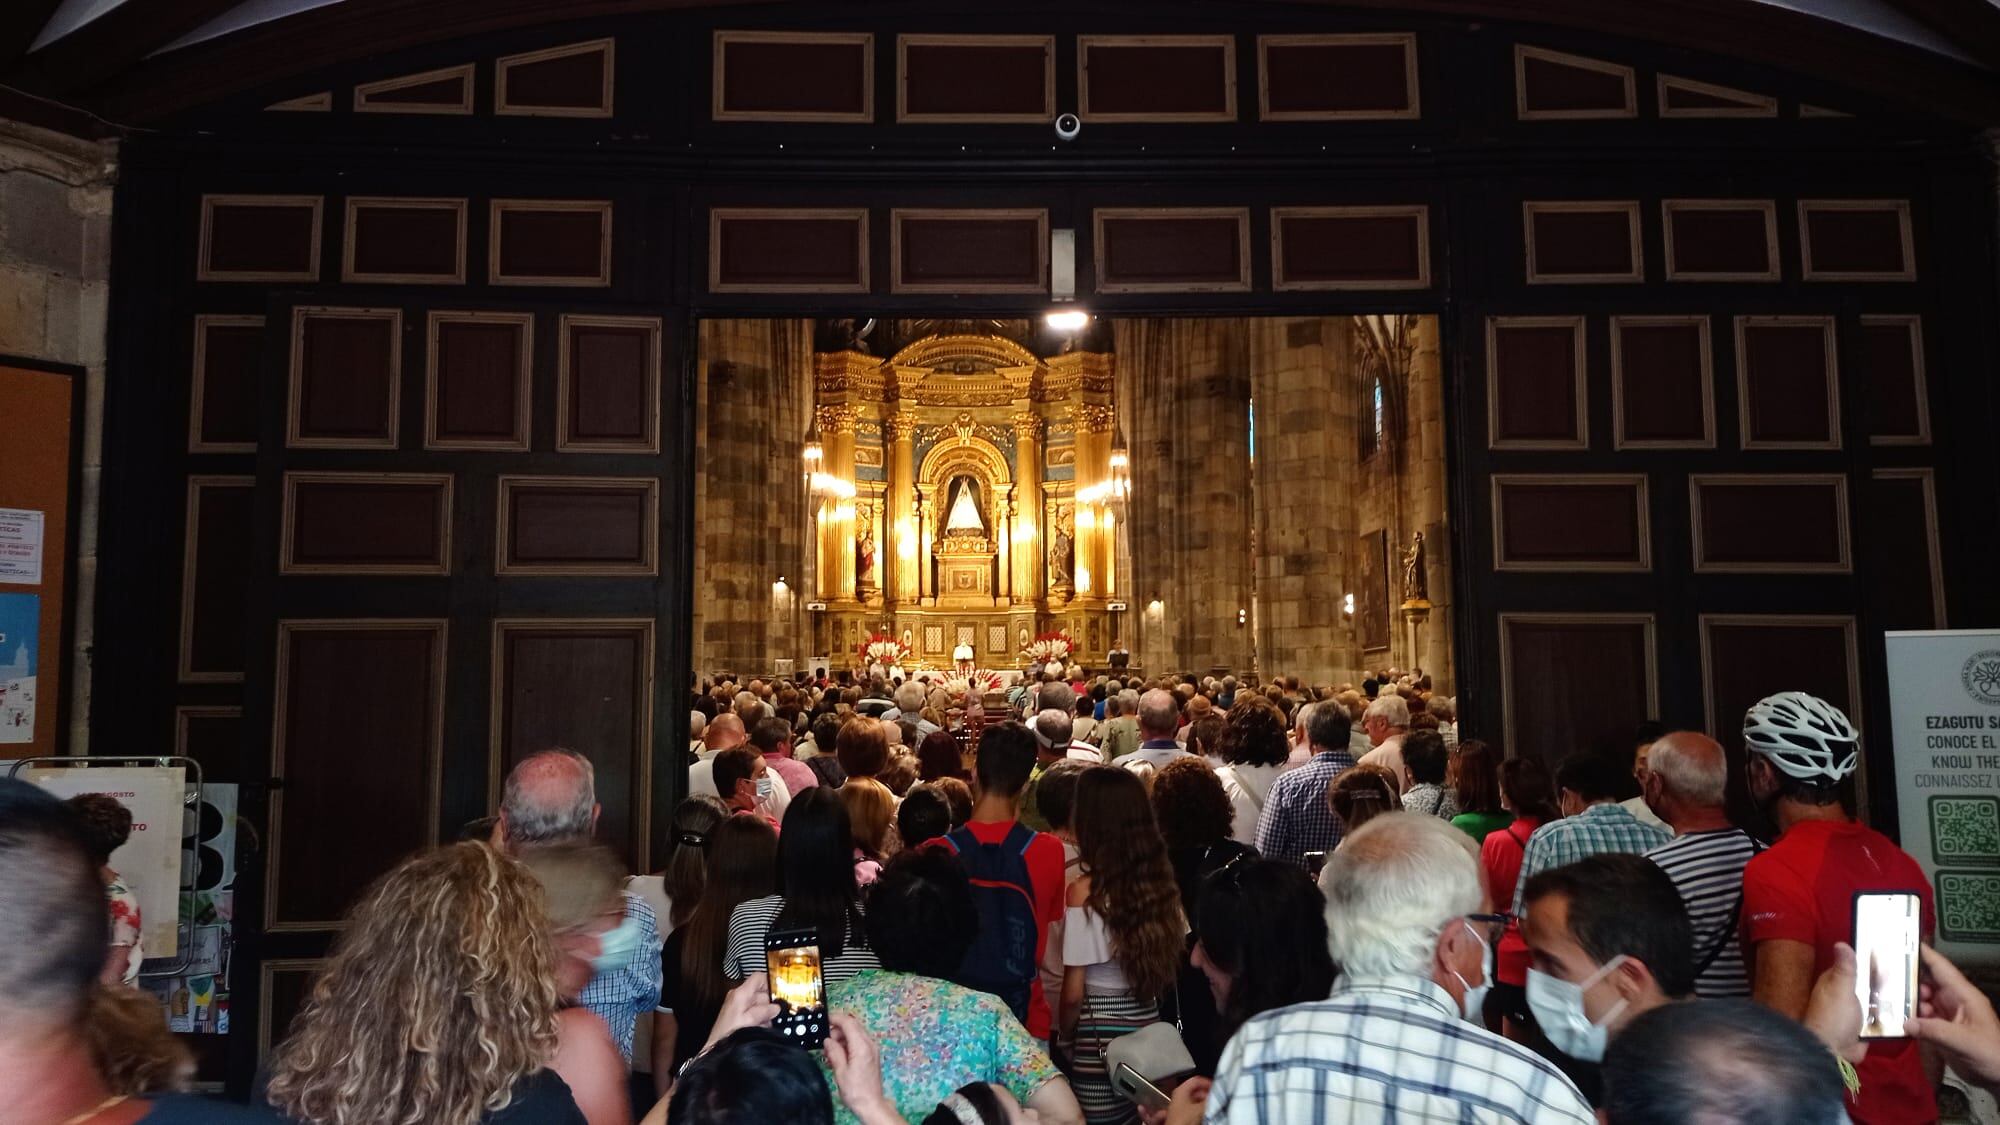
1944	706
150	861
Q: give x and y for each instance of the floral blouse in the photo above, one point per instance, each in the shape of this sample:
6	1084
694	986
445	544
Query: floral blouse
936	1036
125	928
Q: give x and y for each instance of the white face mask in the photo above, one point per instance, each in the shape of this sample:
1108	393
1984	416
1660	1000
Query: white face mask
1558	1007
764	788
1473	1003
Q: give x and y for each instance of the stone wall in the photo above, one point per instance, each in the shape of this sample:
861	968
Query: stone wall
753	404
55	265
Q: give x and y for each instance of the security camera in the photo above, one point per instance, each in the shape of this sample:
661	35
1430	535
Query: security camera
1068	125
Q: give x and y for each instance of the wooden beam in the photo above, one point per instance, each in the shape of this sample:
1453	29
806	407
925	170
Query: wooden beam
112	44
20	22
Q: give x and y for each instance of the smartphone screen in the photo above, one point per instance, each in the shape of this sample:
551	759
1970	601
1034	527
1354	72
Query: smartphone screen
1138	1090
791	959
1887	928
1315	863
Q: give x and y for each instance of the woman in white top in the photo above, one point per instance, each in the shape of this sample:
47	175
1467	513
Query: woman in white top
1123	932
1254	747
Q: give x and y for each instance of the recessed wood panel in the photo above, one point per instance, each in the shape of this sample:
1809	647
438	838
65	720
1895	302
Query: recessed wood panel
994	79
259	238
346	378
1856	240
1787	385
579	525
213	737
1662	383
405	241
969	251
1172	250
1157	78
574	80
588	685
215	577
1721	239
1569	682
1553	86
1685	97
1899	549
447	91
366	523
1535	396
476	390
794	76
1571	522
1578	241
228	366
608	385
1746	657
1337	77
321	102
356	737
562	242
1788	523
1350	247
788	250
287	985
1891	353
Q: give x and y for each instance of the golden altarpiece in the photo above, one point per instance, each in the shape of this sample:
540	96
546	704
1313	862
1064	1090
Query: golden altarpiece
967	495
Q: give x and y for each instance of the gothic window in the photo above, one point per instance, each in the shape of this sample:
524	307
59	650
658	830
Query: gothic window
1372	418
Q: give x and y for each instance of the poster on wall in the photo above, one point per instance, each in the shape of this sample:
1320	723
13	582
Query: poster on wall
196	1000
20	643
21	546
150	859
1371	595
1944	707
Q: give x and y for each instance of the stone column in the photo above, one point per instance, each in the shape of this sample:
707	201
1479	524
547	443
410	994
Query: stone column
1093	467
1428	496
1030	540
899	431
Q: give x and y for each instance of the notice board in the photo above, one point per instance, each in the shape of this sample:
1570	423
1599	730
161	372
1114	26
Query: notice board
38	416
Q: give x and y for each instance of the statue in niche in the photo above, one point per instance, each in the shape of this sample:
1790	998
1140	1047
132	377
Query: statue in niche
1416	589
864	548
962	513
1062	552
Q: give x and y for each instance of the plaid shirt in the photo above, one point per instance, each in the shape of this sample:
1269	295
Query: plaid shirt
1600	828
618	996
1296	818
1384	1049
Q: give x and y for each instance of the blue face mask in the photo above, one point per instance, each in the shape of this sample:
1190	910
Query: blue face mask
617	945
764	788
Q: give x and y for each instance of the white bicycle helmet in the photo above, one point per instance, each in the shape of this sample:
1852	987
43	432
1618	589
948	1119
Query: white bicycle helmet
1806	737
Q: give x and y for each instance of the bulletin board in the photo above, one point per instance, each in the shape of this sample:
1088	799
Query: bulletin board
39	416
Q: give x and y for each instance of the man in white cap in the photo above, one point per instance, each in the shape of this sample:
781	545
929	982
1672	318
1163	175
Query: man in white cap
1053	729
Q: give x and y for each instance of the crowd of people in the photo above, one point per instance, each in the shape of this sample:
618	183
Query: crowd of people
1084	900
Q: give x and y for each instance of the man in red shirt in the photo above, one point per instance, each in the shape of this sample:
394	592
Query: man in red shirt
1798	896
1017	879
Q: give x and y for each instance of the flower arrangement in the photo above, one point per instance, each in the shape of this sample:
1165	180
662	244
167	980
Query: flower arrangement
1049	648
979	682
884	651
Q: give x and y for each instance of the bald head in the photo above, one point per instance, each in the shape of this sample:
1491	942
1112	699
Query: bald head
1691	769
550	797
727	732
1159	714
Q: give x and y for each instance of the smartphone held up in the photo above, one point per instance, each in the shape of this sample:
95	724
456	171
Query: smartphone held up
798	986
1887	930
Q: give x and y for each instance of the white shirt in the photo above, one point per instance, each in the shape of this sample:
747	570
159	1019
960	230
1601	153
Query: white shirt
1643	814
1247	786
1389	756
701	779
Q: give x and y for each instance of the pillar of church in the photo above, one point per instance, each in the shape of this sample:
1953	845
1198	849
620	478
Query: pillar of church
1029	539
1428	466
1094	424
899	430
837	436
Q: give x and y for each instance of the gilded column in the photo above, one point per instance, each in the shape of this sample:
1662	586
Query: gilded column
1093	470
900	531
837	525
1028	539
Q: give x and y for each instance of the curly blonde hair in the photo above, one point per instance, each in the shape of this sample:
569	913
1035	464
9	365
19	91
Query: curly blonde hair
440	996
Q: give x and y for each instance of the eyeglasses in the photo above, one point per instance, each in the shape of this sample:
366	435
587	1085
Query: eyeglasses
1491	926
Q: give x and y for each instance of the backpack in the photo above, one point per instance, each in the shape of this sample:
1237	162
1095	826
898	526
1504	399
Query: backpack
1002	958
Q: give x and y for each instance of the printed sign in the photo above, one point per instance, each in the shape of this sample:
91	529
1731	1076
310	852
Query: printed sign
150	860
1944	704
21	546
20	644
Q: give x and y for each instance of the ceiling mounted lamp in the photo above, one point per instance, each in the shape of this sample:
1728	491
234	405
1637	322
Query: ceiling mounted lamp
1070	319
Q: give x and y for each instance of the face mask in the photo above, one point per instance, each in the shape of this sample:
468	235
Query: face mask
1558	1008
764	788
616	946
1473	1003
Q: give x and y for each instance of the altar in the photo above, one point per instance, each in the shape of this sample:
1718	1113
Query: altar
967	493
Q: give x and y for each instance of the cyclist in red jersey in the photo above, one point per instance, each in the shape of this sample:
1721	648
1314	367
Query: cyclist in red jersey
1798	896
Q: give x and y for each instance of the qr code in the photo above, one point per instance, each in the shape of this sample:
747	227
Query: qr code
1968	905
1966	831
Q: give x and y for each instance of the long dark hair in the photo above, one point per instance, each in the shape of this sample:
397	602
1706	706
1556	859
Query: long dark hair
1478	777
742	865
816	870
1132	883
1264	923
1527	786
686	873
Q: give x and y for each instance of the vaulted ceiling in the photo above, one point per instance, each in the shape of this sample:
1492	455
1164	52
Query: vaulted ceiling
133	62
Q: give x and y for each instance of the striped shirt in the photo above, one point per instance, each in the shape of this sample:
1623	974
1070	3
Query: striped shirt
1597	829
1384	1050
752	921
1707	868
